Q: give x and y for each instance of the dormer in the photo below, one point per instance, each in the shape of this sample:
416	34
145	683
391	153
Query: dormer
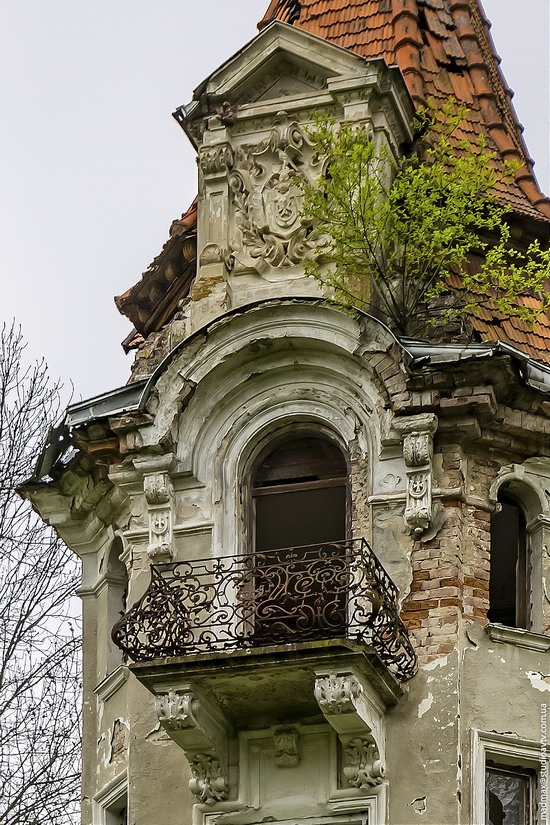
250	122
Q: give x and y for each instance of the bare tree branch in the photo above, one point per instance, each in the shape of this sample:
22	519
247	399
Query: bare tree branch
40	638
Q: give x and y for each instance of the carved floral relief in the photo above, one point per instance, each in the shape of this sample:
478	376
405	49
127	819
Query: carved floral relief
268	229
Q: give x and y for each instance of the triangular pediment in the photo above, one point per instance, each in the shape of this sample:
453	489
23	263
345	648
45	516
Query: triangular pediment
280	62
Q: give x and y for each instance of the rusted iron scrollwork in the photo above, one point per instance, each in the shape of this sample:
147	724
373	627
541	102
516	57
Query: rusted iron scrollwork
275	597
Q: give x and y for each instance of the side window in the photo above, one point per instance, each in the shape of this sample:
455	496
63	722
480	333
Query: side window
300	494
509	795
508	781
111	806
509	575
117	591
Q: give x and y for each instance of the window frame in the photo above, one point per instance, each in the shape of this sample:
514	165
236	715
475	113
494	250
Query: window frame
524	564
269	445
112	794
500	751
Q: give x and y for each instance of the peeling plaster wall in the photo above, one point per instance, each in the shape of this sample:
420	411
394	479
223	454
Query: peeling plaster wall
253	359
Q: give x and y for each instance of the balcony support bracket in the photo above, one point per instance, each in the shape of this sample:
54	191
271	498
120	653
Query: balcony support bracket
351	706
200	730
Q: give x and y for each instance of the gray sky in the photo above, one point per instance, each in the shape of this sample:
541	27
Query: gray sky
94	168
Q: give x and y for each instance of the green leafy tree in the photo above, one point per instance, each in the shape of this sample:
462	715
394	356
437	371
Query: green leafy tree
394	232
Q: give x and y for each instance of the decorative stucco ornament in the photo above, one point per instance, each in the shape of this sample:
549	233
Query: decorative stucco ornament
159	495
208	781
363	767
215	160
335	694
286	747
268	228
417	433
175	710
195	726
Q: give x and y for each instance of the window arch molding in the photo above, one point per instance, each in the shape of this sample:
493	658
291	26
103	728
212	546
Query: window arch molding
240	453
525	486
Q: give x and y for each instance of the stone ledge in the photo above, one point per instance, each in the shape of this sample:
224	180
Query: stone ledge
109	686
516	636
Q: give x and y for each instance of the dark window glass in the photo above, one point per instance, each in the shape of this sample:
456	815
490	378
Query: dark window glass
509	601
508	797
300	493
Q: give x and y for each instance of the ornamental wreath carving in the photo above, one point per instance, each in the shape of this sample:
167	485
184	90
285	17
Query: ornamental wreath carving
268	228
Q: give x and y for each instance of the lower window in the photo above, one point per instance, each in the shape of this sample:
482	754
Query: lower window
509	796
508	780
110	807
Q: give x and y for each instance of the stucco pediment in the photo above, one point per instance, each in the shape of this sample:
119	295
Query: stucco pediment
281	61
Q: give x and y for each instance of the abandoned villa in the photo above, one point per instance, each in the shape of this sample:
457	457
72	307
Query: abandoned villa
315	553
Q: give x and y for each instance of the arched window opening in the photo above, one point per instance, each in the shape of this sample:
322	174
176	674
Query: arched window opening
509	576
116	595
300	492
299	580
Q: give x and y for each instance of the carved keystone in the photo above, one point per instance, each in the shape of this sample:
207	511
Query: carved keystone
417	434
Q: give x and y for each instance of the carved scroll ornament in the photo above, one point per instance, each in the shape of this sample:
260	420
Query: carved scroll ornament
189	722
417	434
363	767
208	782
349	708
159	494
336	694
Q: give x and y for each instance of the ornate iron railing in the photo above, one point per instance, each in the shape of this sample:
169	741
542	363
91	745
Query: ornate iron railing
275	597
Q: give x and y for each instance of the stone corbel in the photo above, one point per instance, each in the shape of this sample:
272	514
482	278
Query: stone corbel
351	708
196	726
417	433
159	494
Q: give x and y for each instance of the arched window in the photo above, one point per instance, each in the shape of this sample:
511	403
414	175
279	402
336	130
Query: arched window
300	492
509	575
113	603
300	515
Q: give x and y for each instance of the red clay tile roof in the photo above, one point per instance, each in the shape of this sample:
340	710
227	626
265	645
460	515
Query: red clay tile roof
443	48
153	300
489	324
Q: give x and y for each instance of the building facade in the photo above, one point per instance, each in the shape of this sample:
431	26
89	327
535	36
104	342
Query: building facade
315	556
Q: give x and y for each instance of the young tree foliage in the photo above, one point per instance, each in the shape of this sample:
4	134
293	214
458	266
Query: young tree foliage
39	638
394	231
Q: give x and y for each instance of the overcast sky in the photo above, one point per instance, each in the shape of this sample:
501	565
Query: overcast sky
94	168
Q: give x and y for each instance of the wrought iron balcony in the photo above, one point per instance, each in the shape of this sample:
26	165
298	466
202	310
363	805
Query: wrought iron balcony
277	597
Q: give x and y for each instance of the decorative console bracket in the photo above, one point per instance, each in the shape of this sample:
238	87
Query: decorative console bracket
352	708
417	433
199	729
159	494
